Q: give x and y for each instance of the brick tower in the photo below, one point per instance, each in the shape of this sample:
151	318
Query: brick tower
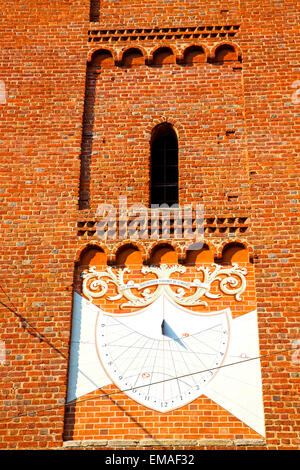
122	327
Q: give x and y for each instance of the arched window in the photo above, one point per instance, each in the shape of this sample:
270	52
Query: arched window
164	165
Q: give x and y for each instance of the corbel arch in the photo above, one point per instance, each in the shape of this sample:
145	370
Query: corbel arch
102	57
225	51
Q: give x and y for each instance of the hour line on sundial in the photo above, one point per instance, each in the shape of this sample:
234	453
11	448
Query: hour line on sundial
149	359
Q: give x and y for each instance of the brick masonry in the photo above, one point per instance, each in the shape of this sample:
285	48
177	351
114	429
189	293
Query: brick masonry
74	135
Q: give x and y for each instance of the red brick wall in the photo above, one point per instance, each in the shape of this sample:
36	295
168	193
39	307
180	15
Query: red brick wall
204	103
170	14
44	48
42	62
272	121
119	417
116	416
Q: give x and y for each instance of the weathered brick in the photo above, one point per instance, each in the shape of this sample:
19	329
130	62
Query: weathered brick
75	135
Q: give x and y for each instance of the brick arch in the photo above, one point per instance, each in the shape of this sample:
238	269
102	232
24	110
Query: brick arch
127	49
234	252
123	246
90	245
88	255
159	252
177	125
190	48
240	241
97	50
91	254
237	53
199	256
128	255
161	48
165	124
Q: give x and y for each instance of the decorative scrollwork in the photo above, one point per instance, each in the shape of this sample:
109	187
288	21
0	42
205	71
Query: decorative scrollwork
231	280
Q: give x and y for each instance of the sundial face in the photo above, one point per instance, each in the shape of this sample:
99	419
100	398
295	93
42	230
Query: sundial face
164	355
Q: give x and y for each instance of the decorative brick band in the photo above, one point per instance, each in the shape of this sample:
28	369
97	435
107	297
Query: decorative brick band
149	34
214	225
164	443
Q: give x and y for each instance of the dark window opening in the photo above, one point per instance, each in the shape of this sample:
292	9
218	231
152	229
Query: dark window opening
95	10
164	166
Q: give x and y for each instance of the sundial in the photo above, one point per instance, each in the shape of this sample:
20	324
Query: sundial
164	355
162	346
